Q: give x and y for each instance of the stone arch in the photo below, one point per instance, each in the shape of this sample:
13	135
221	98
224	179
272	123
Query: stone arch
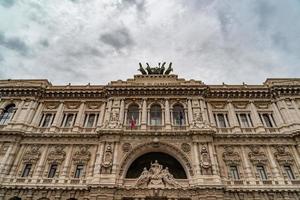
15	198
155	147
155	103
183	104
133	103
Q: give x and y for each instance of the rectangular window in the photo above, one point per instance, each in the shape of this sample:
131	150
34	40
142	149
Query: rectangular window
221	120
78	171
234	172
90	120
288	170
52	170
47	120
244	120
261	172
68	120
26	170
267	119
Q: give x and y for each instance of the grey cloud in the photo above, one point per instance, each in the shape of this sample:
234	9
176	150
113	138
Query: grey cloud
44	43
85	51
140	4
1	58
265	11
118	39
7	3
14	43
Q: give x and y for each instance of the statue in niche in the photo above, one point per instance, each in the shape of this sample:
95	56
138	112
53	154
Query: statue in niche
205	162
107	160
156	177
197	119
114	119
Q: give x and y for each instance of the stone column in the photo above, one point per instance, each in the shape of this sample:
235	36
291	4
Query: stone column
58	116
296	156
213	158
258	125
247	165
167	115
10	160
5	159
32	109
277	115
107	112
101	115
121	116
144	115
273	166
232	118
18	112
211	115
26	116
204	111
296	110
115	161
67	164
190	112
16	161
196	156
98	160
80	115
40	164
283	109
37	115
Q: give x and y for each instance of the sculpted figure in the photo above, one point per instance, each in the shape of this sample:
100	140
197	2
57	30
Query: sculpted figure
157	177
144	177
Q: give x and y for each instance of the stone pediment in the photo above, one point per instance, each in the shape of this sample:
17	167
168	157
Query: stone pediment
156	80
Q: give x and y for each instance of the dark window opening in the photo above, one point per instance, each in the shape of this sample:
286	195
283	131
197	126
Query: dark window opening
164	159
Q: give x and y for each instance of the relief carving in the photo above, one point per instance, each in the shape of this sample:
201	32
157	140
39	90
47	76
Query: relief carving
205	161
33	155
107	160
282	156
256	156
126	147
186	147
230	157
156	177
82	156
198	120
114	120
57	155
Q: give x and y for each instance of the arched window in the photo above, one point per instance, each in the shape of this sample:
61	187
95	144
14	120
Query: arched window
178	115
155	115
133	115
7	114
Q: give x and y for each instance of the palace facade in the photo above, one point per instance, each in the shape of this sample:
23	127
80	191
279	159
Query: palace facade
153	137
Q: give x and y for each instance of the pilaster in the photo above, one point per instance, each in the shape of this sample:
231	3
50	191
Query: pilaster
144	115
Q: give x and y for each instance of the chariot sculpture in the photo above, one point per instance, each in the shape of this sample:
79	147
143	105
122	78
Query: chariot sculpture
160	69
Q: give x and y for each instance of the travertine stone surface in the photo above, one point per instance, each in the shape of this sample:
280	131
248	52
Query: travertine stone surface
238	142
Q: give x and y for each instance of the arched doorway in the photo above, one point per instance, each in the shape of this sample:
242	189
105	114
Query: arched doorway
174	167
15	198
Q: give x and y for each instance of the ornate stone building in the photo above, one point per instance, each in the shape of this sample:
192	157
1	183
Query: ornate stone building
153	137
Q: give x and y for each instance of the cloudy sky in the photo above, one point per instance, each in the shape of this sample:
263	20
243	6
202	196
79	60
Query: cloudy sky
96	41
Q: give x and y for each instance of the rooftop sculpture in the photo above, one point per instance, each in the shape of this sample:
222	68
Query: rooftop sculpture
156	70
